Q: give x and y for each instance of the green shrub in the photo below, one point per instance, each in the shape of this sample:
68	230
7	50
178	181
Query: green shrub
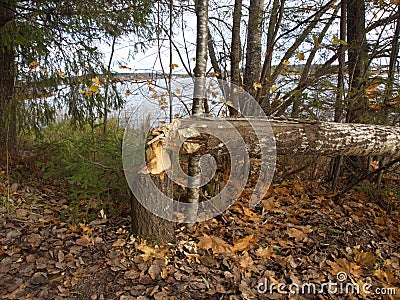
90	161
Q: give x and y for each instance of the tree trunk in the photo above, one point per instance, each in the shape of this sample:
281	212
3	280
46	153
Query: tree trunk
253	50
200	70
292	137
357	61
8	130
236	53
144	223
199	98
275	21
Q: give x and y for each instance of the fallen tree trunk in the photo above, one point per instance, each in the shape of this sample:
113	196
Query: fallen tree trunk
291	136
263	138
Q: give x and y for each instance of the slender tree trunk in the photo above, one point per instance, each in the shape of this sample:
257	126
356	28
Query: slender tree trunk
236	53
275	20
213	58
200	70
8	128
394	53
199	98
357	61
337	161
342	65
296	98
253	50
264	94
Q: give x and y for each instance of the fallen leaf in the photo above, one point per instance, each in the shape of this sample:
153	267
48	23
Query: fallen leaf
119	243
295	233
341	265
265	253
217	244
154	271
83	241
243	243
150	252
366	259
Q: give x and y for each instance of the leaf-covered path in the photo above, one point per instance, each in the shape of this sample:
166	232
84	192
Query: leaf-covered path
296	237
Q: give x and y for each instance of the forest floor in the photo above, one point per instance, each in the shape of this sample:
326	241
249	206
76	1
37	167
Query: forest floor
296	240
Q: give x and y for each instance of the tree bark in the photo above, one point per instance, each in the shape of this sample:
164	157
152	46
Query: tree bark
236	53
292	137
253	50
144	223
357	61
8	131
199	98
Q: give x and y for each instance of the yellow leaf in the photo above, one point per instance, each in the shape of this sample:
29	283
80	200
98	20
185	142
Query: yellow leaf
243	243
273	88
94	89
286	63
96	80
316	42
173	66
61	74
371	91
152	89
337	41
178	91
300	55
34	64
257	85
150	252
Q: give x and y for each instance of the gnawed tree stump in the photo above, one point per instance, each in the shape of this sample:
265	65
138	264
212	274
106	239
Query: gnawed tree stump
144	223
